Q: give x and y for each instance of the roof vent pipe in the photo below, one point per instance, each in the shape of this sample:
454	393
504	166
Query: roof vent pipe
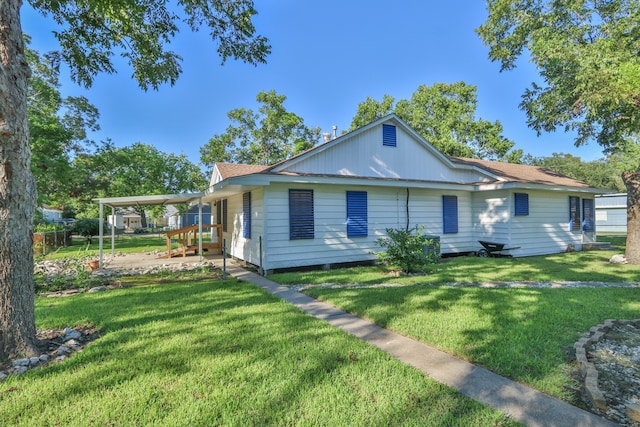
335	131
326	136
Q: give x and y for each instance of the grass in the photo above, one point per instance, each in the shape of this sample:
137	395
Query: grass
123	244
525	334
208	352
575	266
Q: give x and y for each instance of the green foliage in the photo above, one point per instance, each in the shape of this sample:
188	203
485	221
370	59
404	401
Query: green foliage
57	128
138	169
93	31
263	138
444	114
587	55
87	228
604	173
409	250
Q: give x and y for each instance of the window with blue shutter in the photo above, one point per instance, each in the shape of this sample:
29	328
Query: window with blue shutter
389	135
225	213
246	215
301	222
357	220
588	213
449	214
521	203
574	213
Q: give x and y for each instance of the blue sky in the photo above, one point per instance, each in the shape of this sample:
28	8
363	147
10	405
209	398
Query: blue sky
327	57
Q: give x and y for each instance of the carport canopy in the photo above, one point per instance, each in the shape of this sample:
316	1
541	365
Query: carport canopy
155	200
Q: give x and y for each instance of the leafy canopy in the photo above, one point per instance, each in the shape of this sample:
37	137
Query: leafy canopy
263	138
93	31
444	114
587	54
58	128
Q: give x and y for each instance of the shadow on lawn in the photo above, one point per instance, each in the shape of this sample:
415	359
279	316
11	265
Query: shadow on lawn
246	356
525	334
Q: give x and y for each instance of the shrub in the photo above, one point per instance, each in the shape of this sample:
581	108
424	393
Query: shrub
410	250
87	228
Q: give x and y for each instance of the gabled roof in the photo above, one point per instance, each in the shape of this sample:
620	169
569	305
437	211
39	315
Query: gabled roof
496	172
511	172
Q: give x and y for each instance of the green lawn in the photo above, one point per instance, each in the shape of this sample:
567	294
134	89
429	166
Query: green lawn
525	334
123	243
207	352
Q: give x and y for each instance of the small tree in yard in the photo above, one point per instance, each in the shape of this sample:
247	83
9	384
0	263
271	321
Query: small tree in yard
87	228
408	249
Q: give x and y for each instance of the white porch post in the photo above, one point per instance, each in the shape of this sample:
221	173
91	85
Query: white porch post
101	227
200	227
113	231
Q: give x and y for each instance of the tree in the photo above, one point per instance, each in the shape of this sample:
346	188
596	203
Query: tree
587	54
444	114
602	173
141	169
58	128
263	138
91	32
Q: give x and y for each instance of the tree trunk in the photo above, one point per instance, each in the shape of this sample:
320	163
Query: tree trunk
17	192
632	182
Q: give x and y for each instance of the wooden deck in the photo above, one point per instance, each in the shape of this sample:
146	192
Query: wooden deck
187	239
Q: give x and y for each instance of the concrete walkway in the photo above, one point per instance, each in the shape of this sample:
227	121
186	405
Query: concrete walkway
519	402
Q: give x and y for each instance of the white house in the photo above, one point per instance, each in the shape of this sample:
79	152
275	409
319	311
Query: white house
611	213
329	204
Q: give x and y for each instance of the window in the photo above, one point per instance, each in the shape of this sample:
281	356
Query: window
521	204
574	213
301	222
224	215
357	222
389	135
246	215
588	224
450	214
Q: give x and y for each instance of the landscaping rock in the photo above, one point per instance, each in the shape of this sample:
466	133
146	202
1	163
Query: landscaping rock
20	362
71	334
618	259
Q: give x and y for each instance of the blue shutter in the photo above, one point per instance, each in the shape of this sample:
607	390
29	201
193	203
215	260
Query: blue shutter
521	204
588	213
219	212
225	213
357	220
574	213
449	214
389	135
301	222
246	215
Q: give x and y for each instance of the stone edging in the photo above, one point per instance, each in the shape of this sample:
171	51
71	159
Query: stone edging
587	369
589	372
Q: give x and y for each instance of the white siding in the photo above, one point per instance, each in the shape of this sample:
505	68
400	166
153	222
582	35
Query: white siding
386	209
364	155
238	246
544	231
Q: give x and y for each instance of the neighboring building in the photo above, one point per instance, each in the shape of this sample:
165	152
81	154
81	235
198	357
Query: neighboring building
611	213
329	204
191	216
51	214
125	220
